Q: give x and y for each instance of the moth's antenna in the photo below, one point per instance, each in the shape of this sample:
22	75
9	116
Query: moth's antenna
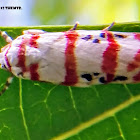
109	27
7	84
75	26
7	38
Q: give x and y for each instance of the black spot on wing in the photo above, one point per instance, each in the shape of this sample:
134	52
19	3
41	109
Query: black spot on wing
96	41
87	37
88	77
120	35
102	35
96	73
120	78
102	80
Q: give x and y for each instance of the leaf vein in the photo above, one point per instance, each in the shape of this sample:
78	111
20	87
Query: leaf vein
97	119
22	111
74	104
119	127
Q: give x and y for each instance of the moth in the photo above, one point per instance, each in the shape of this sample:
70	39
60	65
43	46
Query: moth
74	57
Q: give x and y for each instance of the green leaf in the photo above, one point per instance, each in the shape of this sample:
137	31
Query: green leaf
31	110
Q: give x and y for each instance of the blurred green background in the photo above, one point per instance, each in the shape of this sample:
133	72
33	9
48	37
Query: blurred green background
86	11
91	12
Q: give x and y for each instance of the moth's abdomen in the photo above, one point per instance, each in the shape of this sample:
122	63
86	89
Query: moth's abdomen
74	58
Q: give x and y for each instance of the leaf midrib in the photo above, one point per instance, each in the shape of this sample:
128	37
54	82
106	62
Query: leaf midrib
106	114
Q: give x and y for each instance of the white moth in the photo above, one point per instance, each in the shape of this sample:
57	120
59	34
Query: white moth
74	57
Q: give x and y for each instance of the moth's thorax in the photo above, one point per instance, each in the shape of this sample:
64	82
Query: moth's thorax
77	58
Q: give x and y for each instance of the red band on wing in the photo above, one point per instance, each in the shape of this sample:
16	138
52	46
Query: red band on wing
33	42
136	78
71	77
21	56
33	72
6	58
110	56
137	36
34	67
135	63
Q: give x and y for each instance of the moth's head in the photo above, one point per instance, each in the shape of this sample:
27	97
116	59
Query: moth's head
9	59
3	64
19	58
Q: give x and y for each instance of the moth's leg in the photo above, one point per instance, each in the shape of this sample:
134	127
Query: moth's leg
7	84
7	38
109	27
34	31
75	26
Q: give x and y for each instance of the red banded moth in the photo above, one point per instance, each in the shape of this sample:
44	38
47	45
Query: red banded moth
74	57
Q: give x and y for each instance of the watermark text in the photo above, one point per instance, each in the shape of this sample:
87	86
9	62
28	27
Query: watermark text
10	8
